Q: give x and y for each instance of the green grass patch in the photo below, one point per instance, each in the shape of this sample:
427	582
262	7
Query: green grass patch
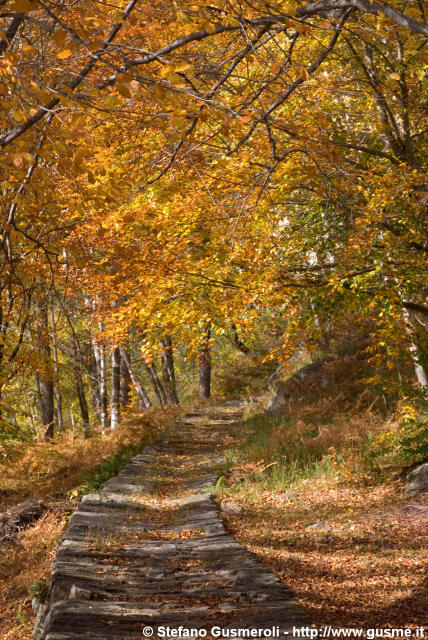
109	468
274	455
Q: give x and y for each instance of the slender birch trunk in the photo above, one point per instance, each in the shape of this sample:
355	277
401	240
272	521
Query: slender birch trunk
205	366
95	379
156	382
143	398
58	397
44	383
115	388
100	360
125	379
420	371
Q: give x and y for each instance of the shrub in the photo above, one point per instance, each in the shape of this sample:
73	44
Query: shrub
407	442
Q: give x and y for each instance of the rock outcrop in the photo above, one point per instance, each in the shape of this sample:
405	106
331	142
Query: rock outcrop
303	383
417	480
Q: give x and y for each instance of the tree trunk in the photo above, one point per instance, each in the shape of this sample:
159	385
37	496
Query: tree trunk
103	386
115	388
100	359
47	408
80	388
44	383
205	366
420	372
237	340
96	366
58	398
46	404
168	373
143	398
157	384
125	378
95	379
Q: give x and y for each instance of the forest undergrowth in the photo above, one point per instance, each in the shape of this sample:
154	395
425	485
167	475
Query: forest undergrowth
58	473
321	491
320	485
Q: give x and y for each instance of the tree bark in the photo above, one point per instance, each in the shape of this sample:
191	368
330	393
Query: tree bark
46	416
115	388
58	398
237	340
95	379
125	379
47	408
415	354
100	359
168	373
44	383
157	384
420	372
96	365
205	366
80	388
143	398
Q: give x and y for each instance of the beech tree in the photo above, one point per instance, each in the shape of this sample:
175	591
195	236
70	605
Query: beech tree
206	163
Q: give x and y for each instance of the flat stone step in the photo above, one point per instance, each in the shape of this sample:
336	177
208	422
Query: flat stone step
150	549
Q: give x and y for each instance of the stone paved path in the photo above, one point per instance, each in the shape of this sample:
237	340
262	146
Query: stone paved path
151	550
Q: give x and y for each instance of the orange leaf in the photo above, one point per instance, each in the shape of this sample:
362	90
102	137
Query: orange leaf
64	54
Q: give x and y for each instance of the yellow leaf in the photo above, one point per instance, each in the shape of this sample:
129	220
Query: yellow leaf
60	36
166	70
124	77
159	93
91	177
177	80
230	20
208	26
180	123
64	54
29	49
65	101
21	6
111	102
184	67
301	28
95	45
124	91
303	73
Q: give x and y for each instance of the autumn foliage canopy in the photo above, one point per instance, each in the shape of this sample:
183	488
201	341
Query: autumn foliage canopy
168	166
